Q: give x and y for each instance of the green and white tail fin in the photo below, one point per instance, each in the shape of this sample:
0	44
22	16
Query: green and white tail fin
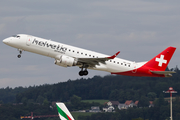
63	112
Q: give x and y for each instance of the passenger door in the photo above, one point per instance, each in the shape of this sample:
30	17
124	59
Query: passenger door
29	40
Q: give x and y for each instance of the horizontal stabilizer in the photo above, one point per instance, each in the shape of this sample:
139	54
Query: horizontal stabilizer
166	73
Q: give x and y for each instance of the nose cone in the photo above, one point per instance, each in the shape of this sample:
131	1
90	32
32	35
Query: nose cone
5	41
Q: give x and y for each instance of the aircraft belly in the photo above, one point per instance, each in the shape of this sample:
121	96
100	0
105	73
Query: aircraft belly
119	70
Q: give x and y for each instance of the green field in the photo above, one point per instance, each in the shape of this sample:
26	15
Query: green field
76	114
98	101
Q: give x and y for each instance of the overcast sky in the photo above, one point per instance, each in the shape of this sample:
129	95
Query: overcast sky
140	29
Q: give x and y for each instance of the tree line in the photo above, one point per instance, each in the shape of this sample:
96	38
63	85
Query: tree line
111	87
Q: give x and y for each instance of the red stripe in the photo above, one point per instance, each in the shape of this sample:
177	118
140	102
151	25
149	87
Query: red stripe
68	117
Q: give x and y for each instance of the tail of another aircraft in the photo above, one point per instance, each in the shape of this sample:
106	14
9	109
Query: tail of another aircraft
63	112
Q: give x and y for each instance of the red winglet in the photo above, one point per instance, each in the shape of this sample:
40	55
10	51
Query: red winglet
112	57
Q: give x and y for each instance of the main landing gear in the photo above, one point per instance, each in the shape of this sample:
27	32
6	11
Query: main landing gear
20	52
83	72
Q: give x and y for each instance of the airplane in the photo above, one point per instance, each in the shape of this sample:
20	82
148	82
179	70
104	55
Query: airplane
63	112
68	56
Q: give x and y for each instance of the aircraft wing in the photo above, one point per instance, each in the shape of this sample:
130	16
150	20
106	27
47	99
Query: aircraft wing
95	61
166	73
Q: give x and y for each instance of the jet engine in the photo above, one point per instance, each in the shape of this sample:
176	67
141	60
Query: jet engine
65	61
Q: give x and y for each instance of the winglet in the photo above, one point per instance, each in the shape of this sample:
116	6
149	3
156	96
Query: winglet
112	57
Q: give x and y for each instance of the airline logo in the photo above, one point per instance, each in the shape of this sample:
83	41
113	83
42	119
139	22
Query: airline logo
55	47
161	60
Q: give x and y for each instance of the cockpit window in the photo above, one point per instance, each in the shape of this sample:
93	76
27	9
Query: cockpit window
17	36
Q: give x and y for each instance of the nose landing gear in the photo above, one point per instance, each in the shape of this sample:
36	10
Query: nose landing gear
20	52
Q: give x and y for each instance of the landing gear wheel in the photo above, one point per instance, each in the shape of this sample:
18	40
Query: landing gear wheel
85	72
81	73
19	56
20	52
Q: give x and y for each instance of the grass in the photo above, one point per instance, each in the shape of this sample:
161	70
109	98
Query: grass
98	101
76	114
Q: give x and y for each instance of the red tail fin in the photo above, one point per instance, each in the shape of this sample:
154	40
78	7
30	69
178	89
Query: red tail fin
161	61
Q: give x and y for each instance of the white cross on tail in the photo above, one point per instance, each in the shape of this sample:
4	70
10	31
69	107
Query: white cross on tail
161	60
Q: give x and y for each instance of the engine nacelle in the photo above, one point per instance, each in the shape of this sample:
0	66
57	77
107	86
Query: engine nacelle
65	61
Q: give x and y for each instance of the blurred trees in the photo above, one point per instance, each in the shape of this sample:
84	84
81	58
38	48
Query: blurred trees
118	88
